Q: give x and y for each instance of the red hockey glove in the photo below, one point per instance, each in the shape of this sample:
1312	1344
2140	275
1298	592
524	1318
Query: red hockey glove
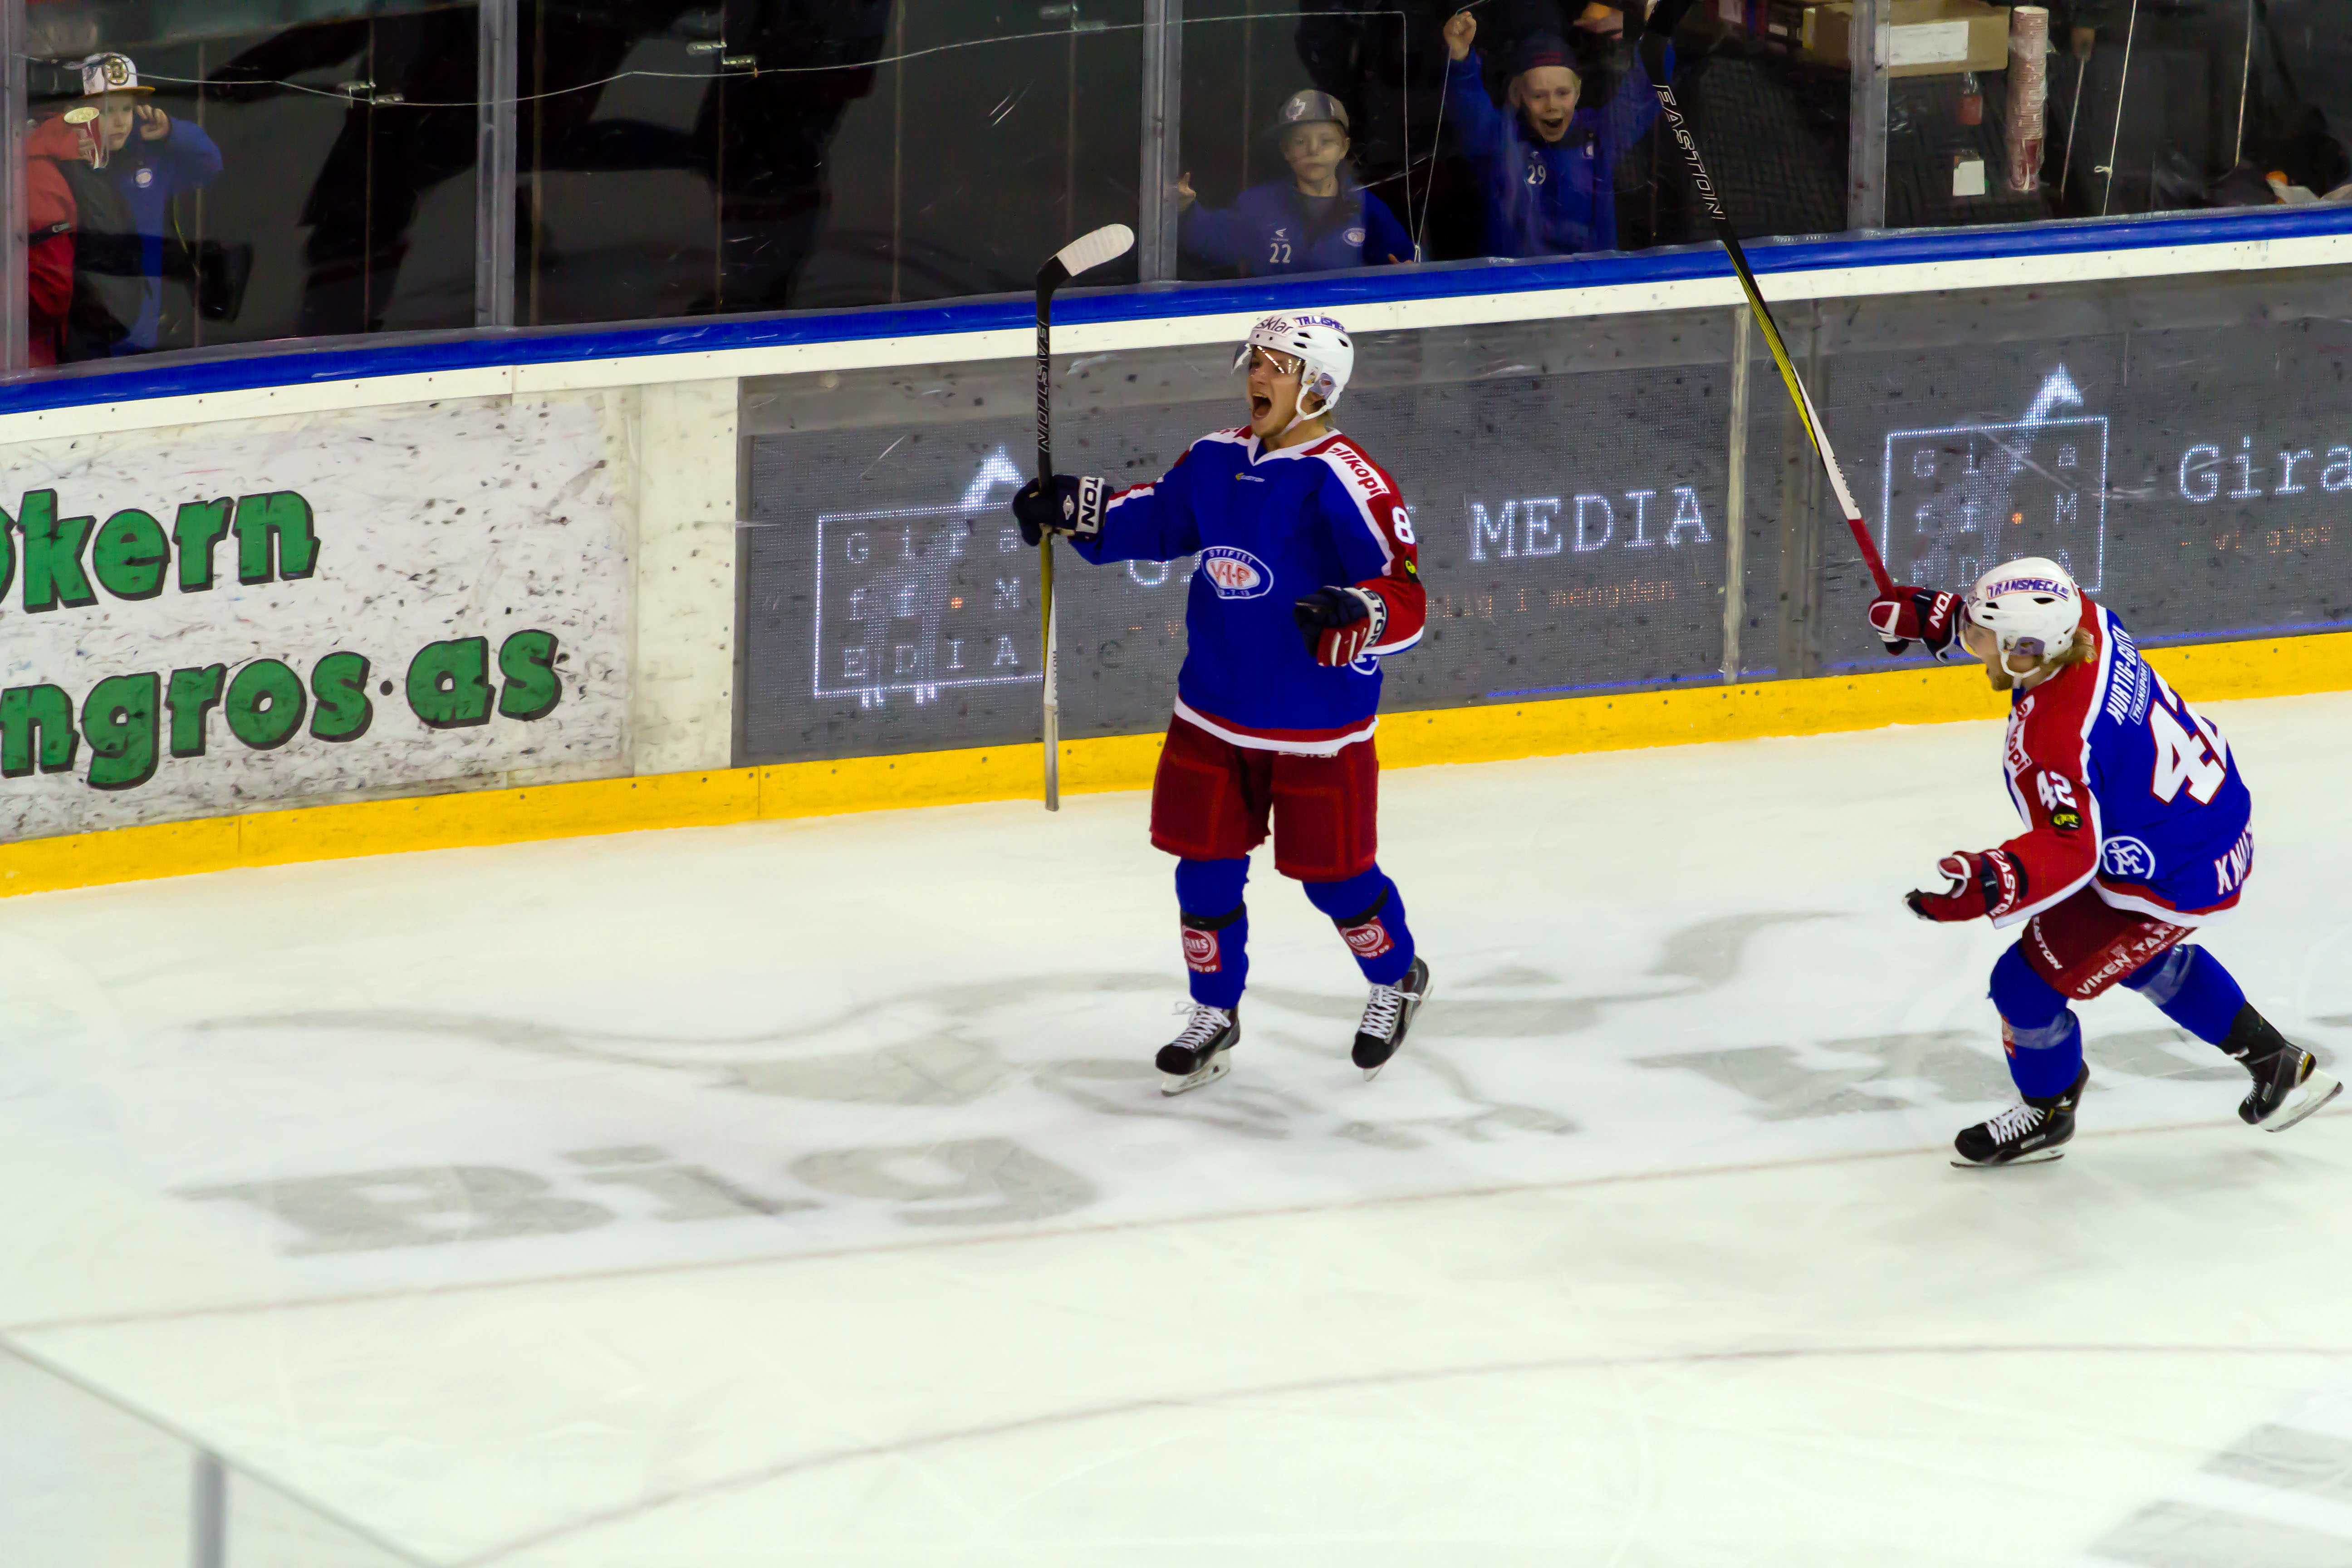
1932	617
1992	883
1074	508
1340	624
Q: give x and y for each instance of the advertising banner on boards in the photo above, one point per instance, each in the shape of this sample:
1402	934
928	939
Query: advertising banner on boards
2173	442
208	619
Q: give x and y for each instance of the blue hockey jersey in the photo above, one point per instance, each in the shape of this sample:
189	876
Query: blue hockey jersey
1270	528
1273	229
1550	198
2125	786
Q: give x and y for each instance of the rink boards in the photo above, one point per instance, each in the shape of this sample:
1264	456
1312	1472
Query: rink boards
2281	666
541	586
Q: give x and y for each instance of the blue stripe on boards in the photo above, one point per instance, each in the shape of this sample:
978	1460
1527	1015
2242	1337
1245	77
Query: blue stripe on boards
311	363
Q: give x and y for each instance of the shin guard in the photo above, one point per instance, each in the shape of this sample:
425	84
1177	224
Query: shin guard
2039	1032
2192	989
1215	924
1370	914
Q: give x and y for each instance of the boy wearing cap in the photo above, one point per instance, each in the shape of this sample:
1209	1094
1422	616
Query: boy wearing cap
1549	165
1316	221
143	158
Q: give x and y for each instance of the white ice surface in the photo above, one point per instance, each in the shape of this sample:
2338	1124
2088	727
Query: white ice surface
800	1193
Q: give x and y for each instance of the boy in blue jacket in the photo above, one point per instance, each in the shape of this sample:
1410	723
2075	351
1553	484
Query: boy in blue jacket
147	158
1305	576
1549	166
1316	221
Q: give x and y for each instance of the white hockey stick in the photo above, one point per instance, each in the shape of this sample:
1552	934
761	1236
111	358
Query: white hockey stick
1107	243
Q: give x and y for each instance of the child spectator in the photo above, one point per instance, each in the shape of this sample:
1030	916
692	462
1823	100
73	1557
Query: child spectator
1549	165
122	208
1317	221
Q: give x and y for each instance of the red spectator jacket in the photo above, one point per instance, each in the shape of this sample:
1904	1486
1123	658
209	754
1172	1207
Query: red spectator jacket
50	220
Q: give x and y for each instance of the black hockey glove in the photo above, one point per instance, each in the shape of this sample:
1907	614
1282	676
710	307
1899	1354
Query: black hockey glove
1340	624
1074	509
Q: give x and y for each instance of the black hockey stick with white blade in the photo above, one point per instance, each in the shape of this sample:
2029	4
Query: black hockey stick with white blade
1087	251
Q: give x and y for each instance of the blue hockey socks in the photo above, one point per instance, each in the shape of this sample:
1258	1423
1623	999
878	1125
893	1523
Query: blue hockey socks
1369	914
1216	927
2041	1033
2193	990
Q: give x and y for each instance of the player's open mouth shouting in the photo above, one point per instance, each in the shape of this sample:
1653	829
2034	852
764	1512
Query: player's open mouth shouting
1272	371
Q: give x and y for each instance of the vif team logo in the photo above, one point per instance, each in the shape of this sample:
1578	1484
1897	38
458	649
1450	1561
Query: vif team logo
2129	858
1235	574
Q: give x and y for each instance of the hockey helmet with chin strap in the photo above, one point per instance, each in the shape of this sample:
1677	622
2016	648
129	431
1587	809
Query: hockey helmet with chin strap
1326	356
2030	605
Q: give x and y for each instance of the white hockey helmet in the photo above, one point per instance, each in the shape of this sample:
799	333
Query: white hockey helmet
2030	605
1325	355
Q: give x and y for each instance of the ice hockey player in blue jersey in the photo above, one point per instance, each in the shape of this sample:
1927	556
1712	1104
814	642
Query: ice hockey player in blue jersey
1305	577
2136	833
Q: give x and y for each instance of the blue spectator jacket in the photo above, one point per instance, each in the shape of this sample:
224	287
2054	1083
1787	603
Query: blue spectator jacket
147	175
1268	231
1549	198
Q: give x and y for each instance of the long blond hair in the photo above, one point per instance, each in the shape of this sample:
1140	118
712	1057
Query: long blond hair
2081	648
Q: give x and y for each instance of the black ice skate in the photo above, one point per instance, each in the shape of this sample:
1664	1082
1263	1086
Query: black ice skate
2025	1134
2288	1084
1387	1013
1201	1054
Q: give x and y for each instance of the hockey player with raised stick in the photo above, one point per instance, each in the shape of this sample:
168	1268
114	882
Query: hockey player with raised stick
1305	578
2136	833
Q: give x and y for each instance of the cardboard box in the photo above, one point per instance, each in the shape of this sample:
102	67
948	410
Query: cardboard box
1926	37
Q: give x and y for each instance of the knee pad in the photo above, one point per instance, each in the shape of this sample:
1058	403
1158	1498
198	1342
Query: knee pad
1353	901
2160	982
1211	887
2027	1003
2193	990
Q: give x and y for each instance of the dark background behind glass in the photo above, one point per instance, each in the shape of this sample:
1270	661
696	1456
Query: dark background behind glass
687	157
331	217
825	180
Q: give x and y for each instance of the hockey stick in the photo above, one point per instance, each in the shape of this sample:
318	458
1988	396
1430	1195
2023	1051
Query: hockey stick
1088	250
1662	24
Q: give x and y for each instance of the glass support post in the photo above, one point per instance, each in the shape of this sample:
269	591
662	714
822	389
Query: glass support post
1163	71
498	71
15	110
1735	510
207	1512
1865	184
